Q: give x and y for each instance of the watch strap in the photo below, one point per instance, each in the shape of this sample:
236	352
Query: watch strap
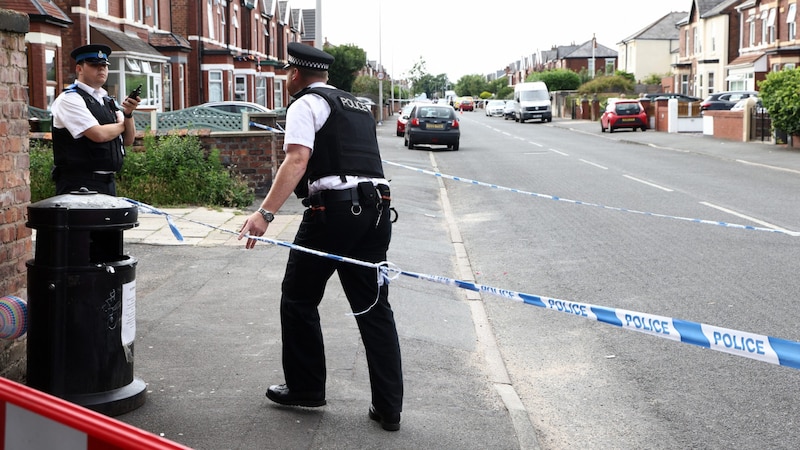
267	215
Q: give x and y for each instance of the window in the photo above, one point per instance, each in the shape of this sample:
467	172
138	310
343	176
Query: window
764	17
215	86
789	66
102	7
687	42
261	91
790	21
168	88
181	86
698	47
710	83
51	75
240	88
771	26
752	30
211	19
278	99
775	68
610	66
685	84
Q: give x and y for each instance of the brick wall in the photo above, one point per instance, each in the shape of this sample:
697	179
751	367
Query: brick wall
15	193
728	125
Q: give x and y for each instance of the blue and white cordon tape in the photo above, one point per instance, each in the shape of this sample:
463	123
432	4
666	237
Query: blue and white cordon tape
764	348
578	202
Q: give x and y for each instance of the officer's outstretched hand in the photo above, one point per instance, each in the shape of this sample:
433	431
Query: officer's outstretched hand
255	225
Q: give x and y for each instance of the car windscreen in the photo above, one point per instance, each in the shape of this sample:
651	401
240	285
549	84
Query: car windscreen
434	113
624	109
532	96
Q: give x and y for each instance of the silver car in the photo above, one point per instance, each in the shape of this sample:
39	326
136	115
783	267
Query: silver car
495	108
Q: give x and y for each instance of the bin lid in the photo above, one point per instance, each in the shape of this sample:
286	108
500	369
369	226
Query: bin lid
83	209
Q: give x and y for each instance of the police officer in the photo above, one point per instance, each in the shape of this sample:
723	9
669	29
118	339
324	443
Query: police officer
331	140
89	127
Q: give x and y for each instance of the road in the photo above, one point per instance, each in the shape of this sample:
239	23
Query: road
586	384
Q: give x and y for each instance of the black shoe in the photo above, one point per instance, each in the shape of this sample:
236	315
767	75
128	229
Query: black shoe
279	393
389	422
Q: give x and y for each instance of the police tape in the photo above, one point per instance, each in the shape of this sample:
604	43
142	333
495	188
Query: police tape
739	343
578	202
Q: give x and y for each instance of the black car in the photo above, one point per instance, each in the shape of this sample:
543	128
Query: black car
668	95
433	123
724	100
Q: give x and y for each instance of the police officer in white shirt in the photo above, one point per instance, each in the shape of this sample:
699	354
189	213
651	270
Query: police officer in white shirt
90	129
334	164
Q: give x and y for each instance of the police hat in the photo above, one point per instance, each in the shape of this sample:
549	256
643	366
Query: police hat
94	53
308	57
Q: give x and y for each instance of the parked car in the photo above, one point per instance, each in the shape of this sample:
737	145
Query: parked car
467	104
622	113
435	124
237	107
681	97
402	118
508	110
495	107
724	100
740	105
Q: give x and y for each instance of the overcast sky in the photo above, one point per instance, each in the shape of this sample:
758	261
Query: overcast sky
461	37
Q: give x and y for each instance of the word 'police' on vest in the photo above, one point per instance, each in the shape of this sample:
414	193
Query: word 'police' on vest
349	103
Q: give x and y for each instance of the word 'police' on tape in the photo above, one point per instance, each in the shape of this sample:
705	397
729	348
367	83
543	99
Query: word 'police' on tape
740	343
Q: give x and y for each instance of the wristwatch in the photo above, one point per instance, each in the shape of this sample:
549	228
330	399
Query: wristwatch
268	216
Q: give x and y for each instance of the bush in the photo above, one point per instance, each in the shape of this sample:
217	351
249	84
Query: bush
557	79
615	83
172	171
780	94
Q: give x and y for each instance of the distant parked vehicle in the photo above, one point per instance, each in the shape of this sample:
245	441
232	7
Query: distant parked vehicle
237	107
623	113
495	108
725	100
668	95
509	110
466	104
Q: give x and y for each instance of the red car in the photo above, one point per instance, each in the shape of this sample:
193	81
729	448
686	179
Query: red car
402	119
621	113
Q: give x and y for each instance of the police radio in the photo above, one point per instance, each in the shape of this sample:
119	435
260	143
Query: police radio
136	92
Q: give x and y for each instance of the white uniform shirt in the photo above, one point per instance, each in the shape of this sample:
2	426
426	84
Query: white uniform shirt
70	111
306	116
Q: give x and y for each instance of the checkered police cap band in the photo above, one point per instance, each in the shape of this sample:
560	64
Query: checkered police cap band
308	64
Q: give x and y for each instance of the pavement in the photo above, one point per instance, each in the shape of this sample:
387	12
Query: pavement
208	332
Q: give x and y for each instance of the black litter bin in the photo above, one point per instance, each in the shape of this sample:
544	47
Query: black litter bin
81	302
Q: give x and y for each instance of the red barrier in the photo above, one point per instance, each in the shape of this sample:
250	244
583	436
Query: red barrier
34	420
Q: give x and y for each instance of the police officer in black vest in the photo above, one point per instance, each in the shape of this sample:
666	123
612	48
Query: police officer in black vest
89	127
333	160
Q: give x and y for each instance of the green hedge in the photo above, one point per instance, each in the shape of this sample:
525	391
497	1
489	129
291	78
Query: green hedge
172	171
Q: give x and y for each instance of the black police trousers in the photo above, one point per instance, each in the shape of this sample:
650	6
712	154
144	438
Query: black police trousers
339	230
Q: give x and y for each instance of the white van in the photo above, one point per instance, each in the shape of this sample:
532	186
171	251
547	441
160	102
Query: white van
532	101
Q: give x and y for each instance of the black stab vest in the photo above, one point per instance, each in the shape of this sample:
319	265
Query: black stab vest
346	144
83	154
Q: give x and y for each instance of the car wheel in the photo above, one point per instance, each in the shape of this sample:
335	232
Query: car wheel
610	128
644	129
455	146
602	128
399	134
410	144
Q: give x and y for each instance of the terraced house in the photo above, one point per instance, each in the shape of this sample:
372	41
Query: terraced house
183	52
733	44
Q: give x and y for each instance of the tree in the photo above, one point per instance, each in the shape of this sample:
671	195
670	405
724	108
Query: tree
471	85
349	59
557	79
780	94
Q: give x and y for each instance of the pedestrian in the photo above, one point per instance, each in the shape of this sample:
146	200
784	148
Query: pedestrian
90	129
334	164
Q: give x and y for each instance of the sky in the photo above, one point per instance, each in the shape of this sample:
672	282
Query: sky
464	37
